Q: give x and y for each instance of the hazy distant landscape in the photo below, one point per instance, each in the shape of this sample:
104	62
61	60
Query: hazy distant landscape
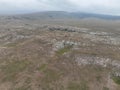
58	50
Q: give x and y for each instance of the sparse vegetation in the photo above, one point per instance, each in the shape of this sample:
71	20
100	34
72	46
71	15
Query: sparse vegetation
116	79
77	86
12	69
43	67
105	88
67	48
51	75
23	88
59	54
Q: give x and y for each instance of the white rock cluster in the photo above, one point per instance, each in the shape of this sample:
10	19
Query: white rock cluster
103	39
63	43
99	33
67	28
91	60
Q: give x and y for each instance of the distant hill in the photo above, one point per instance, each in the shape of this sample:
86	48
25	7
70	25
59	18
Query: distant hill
65	15
92	15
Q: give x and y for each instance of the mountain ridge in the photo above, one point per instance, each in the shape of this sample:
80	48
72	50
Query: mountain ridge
67	15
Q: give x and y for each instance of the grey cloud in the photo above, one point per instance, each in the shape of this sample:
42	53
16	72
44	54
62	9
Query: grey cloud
94	6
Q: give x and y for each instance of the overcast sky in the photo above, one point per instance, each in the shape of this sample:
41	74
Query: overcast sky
93	6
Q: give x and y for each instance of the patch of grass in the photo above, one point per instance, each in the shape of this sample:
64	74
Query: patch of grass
105	88
12	44
24	88
51	75
98	78
77	86
98	68
50	79
116	79
13	68
42	67
64	50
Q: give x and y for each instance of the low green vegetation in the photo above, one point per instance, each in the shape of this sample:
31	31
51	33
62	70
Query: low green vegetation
50	79
42	67
77	86
23	88
51	75
13	68
105	88
11	44
116	79
64	50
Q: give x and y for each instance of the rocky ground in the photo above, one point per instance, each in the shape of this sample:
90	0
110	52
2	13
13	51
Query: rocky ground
58	57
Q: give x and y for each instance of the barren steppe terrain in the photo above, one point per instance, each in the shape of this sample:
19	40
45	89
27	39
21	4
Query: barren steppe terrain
59	54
